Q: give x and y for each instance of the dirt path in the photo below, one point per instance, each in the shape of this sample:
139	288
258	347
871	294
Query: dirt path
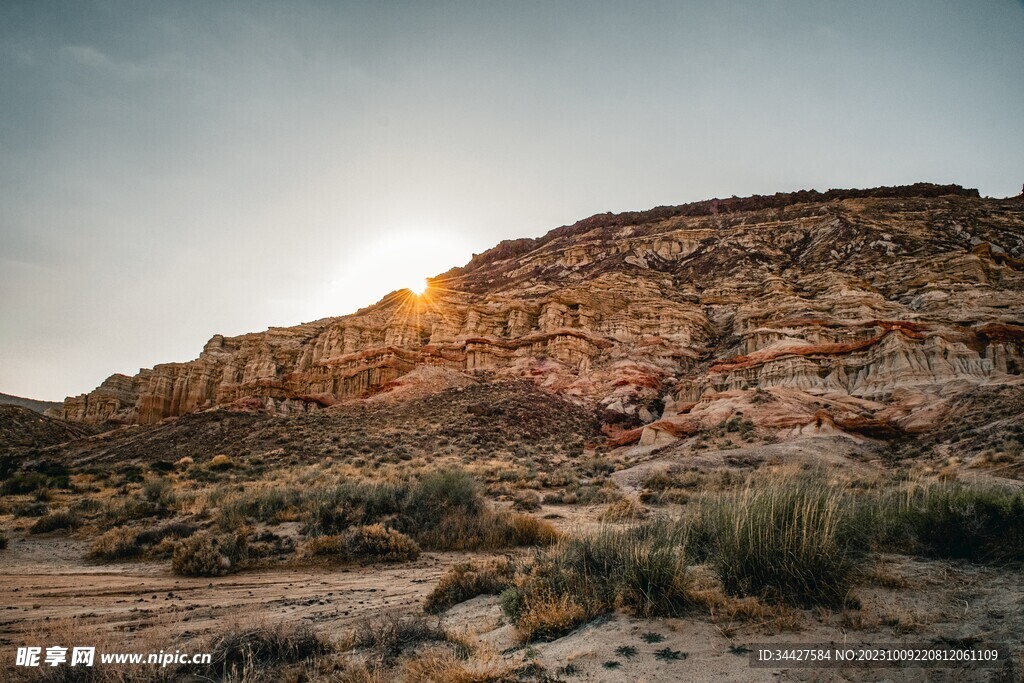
43	581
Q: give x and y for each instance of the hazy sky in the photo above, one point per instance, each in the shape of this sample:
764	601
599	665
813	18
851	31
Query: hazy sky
171	170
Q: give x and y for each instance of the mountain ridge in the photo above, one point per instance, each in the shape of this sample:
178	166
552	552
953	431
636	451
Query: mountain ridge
881	301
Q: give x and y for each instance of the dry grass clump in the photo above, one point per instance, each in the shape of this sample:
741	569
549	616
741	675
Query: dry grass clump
624	510
438	664
643	568
115	544
56	521
467	580
548	617
488	530
122	543
220	462
796	540
526	501
204	554
377	543
242	653
388	636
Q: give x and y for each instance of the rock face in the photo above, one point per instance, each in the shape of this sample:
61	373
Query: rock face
856	310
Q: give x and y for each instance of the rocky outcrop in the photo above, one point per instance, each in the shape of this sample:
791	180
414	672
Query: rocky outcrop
857	311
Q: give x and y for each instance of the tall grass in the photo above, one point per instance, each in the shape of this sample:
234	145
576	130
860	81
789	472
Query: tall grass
799	541
980	523
643	569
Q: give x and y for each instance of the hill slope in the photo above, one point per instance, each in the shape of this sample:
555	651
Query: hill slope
855	311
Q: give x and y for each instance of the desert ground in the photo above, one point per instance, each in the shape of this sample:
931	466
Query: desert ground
56	587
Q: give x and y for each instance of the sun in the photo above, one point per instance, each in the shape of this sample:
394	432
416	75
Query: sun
418	287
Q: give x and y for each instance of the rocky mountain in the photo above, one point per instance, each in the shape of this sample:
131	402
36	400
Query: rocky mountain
850	311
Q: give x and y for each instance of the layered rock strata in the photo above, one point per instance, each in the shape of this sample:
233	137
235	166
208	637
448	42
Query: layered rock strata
856	311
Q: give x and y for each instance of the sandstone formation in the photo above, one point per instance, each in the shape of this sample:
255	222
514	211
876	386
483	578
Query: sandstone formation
861	312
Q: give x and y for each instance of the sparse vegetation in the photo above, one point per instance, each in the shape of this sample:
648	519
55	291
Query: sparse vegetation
795	541
204	554
954	520
242	651
377	543
56	521
643	568
468	580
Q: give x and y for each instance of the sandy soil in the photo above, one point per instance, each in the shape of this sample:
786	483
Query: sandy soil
938	603
43	580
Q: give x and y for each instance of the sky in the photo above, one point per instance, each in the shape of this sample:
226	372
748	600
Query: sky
169	171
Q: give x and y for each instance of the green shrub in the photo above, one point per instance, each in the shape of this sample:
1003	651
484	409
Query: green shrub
954	520
24	482
443	493
795	541
467	580
203	554
54	522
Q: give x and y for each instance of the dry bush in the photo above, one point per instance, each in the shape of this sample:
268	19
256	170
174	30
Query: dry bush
467	580
56	521
387	636
643	568
526	501
377	543
203	554
221	462
331	547
488	530
547	617
439	664
623	510
244	651
116	544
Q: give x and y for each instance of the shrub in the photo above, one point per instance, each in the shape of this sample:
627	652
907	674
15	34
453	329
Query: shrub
955	520
157	490
332	547
116	544
391	634
467	580
243	651
527	501
55	521
643	568
221	462
441	494
623	510
3	541
31	510
547	617
24	482
377	543
486	530
203	554
794	541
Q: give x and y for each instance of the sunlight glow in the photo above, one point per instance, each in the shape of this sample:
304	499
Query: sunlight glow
418	287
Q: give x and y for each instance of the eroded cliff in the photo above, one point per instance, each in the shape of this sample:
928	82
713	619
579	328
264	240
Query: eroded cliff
857	311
